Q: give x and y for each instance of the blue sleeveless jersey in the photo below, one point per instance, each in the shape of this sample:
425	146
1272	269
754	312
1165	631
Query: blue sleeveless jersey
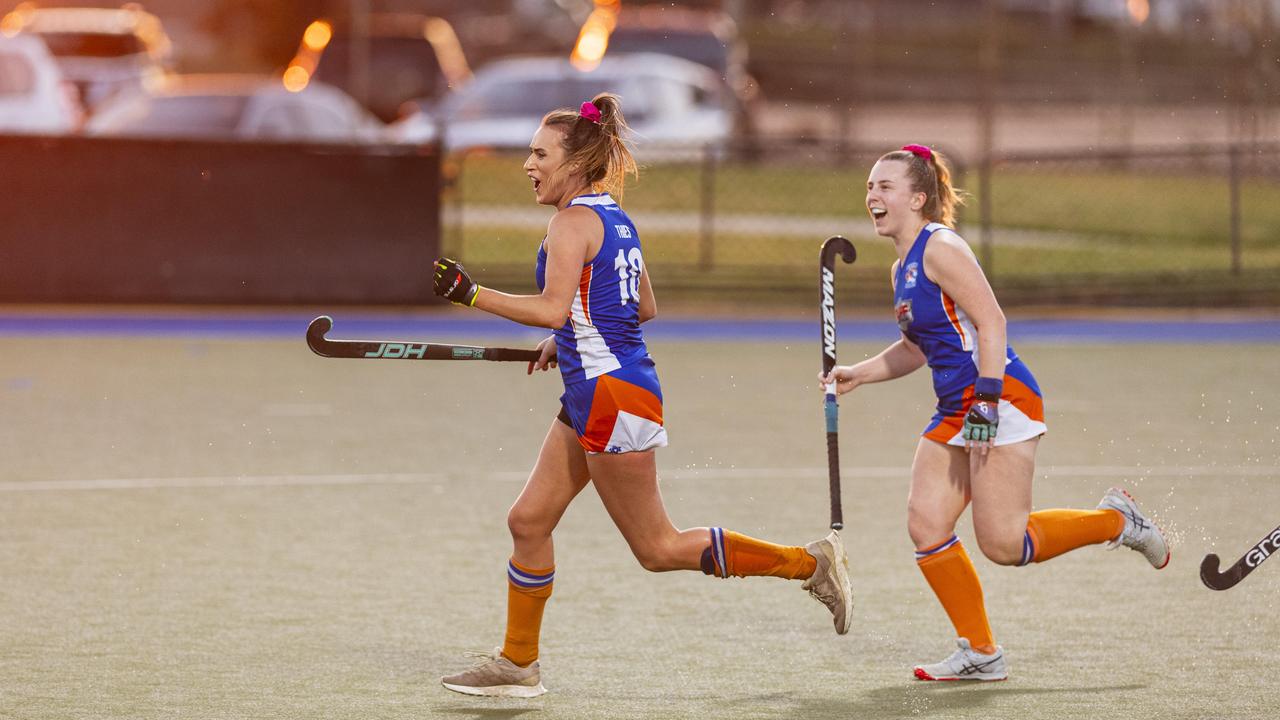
941	329
602	333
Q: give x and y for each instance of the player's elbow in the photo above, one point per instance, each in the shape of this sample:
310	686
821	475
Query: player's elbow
993	321
646	314
551	318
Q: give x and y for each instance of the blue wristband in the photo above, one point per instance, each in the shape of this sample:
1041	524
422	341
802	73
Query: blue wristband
988	388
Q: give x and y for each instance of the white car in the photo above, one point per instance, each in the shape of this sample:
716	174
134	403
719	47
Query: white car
100	50
34	97
666	100
236	107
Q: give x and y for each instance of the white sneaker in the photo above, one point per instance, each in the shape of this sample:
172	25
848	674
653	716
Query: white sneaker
1139	533
829	583
496	676
966	664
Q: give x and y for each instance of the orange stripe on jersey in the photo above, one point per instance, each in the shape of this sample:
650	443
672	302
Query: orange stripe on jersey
613	395
584	292
950	306
1015	391
1023	398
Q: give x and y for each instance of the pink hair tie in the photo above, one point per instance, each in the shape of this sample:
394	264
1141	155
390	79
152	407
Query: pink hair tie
590	112
920	151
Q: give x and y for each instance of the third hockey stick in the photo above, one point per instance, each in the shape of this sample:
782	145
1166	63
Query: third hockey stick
1215	580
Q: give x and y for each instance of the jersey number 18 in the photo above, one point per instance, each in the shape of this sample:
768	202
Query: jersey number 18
629	266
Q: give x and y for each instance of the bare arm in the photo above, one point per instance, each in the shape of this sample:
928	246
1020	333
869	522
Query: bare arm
950	263
901	358
648	309
570	237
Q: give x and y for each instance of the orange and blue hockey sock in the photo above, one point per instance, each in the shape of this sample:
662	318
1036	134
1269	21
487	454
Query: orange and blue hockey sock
949	571
733	554
527	593
1051	533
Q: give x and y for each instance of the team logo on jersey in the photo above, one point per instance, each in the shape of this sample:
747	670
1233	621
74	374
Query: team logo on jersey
624	231
909	275
903	311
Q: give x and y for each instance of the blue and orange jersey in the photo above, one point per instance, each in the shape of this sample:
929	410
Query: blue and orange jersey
602	333
933	321
943	331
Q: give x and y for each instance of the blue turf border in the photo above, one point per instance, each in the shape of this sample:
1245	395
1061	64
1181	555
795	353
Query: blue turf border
443	328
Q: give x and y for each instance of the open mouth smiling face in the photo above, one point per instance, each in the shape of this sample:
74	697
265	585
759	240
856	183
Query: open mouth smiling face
889	196
545	163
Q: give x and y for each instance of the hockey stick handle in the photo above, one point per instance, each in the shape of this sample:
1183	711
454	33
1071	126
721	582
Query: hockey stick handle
833	466
370	349
511	355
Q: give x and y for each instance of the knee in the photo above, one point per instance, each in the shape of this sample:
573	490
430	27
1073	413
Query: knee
926	527
656	557
1001	548
526	525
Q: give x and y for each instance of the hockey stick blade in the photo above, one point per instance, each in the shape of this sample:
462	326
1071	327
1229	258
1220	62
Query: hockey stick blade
827	282
371	349
1215	580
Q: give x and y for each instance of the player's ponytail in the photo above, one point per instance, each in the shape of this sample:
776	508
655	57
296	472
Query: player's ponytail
930	173
594	141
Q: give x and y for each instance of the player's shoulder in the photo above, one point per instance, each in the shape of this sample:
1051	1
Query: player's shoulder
574	218
946	243
575	228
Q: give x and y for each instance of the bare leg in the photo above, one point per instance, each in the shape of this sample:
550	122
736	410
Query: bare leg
941	487
1001	485
628	486
557	477
940	491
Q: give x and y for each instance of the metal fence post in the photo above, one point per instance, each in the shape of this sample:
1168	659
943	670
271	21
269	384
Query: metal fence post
455	183
1233	183
706	248
989	61
984	207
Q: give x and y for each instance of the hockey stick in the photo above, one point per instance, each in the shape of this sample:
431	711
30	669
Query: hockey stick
324	347
1215	580
833	245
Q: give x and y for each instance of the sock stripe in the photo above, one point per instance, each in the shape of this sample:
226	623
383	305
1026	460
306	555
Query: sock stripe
922	554
717	551
527	579
1028	549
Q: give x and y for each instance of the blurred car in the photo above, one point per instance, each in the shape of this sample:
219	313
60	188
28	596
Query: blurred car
666	101
245	107
411	57
100	50
707	37
34	98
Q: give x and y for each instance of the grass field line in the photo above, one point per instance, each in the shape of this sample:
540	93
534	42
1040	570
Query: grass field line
676	475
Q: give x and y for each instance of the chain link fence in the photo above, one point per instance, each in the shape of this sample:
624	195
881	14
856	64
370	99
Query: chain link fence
1185	226
1166	227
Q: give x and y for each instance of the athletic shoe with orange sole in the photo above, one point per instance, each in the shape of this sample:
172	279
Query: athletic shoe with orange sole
966	664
